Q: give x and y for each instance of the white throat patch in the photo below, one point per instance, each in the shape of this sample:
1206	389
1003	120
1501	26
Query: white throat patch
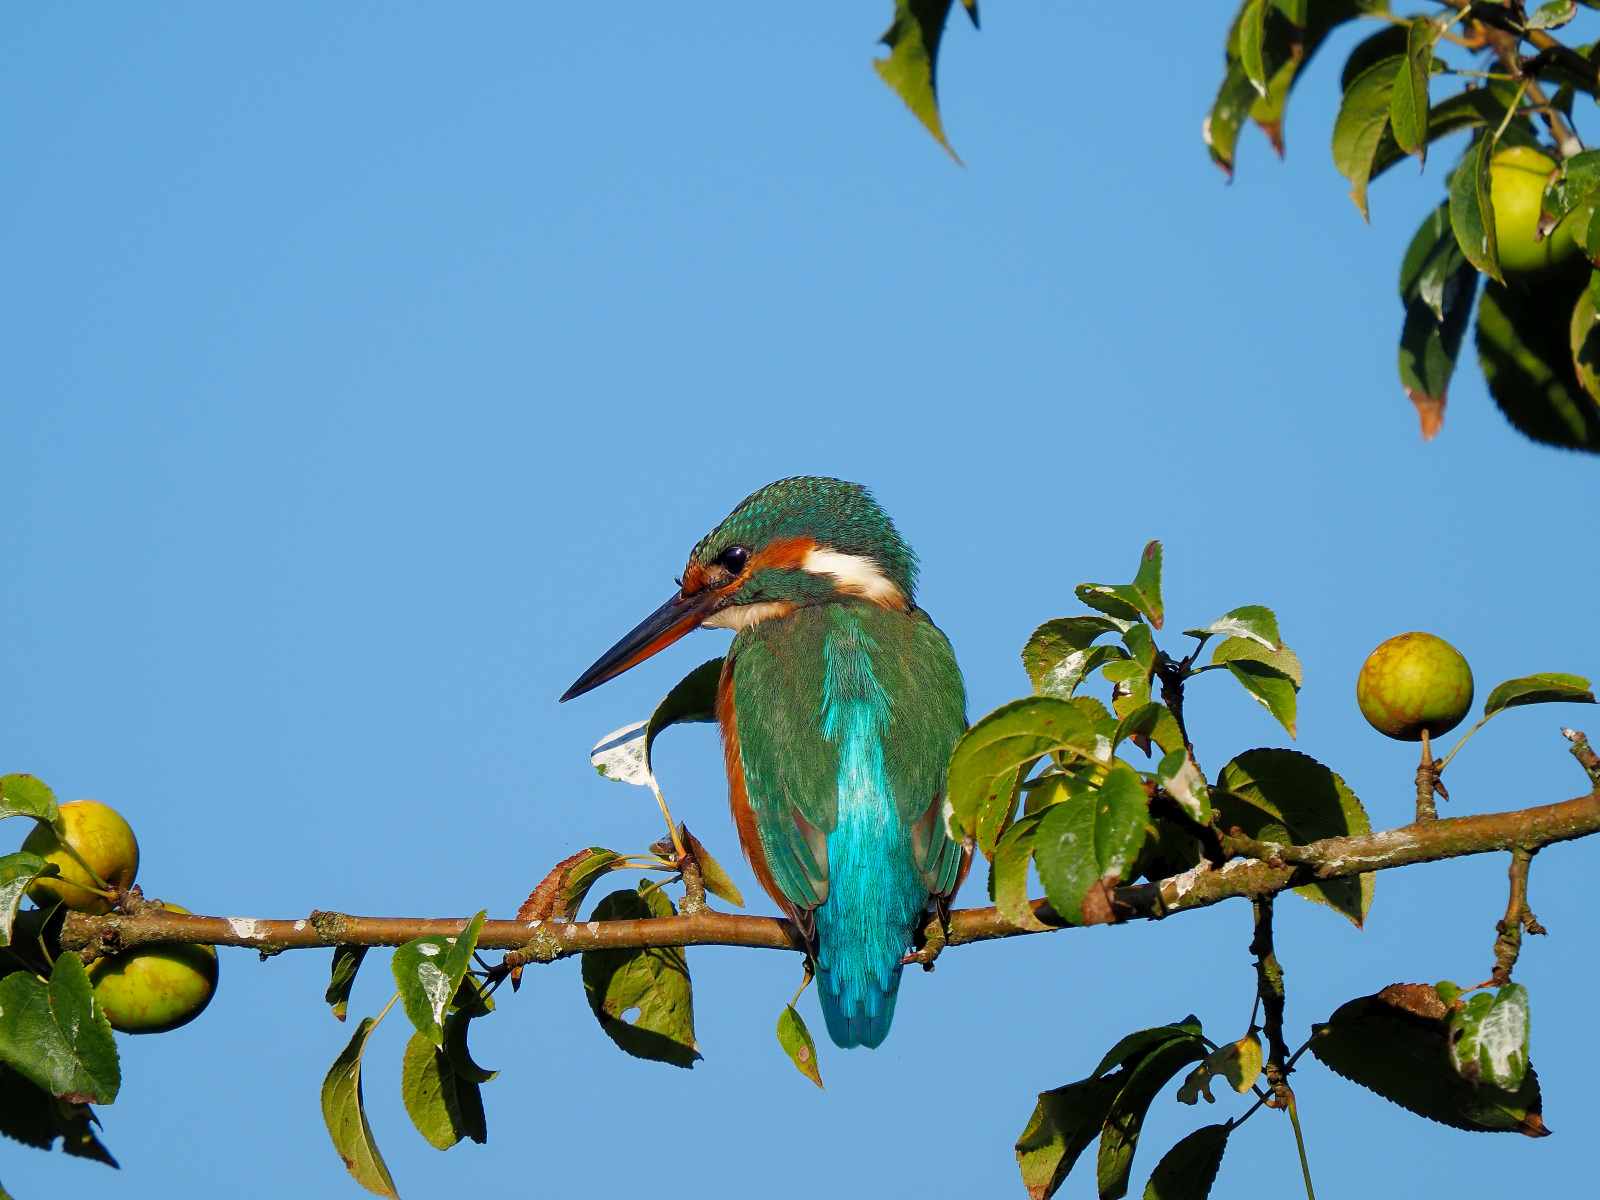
742	616
855	575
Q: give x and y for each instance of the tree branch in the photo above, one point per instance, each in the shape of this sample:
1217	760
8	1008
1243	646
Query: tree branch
548	940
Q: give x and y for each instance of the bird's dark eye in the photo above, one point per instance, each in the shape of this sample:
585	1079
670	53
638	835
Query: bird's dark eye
734	558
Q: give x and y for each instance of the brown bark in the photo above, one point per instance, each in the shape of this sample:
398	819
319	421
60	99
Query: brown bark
545	941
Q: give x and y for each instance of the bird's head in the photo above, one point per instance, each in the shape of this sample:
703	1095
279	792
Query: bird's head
794	543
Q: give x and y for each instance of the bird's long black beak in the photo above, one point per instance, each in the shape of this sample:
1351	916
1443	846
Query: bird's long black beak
660	629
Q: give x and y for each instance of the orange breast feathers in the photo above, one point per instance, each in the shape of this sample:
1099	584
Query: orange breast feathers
744	817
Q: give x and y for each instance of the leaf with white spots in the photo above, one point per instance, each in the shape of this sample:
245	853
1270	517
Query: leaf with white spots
1062	652
1181	779
1140	600
620	755
1489	1038
796	1041
428	972
1253	621
17	873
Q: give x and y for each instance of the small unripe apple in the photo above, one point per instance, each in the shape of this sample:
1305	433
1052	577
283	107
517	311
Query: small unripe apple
1517	176
155	988
100	835
1414	682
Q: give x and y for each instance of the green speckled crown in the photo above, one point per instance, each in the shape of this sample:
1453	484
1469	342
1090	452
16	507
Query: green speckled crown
841	516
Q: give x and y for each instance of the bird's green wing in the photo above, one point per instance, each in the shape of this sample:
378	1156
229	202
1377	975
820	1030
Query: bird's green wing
791	769
918	672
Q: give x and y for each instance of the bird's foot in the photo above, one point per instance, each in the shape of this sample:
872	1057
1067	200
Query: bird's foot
932	940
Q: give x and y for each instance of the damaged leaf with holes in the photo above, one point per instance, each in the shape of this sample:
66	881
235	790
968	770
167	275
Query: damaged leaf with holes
642	998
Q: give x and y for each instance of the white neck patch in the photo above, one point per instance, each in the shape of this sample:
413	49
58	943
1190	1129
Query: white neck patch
742	616
855	575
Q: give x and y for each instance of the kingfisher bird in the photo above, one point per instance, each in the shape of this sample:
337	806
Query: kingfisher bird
839	703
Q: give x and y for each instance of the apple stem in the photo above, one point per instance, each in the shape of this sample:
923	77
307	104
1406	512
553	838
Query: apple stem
100	884
1427	780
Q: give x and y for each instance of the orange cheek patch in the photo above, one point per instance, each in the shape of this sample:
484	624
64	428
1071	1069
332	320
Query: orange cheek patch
786	552
694	578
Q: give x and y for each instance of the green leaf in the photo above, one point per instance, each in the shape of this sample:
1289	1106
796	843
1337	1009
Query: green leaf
17	873
716	880
1010	875
1437	285
1252	35
57	1035
25	796
444	1107
655	982
693	700
346	1116
1548	688
583	874
1139	1045
1064	1122
796	1041
1471	210
1181	779
32	1116
346	962
1552	15
1239	650
1577	185
1087	844
1140	600
1120	1137
1403	1054
472	1001
1253	621
1471	109
984	763
1489	1038
1290	798
1272	688
429	970
1056	655
1524	348
1187	1171
1585	338
1390	41
1363	117
1141	722
1408	110
912	66
1232	106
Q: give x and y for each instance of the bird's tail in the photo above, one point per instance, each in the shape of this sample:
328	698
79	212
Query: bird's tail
861	1018
863	929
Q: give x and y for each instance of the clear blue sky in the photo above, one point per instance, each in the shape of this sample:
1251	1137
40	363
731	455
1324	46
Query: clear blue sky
368	369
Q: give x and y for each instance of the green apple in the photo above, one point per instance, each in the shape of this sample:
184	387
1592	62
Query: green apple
155	988
102	839
1517	176
1414	682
